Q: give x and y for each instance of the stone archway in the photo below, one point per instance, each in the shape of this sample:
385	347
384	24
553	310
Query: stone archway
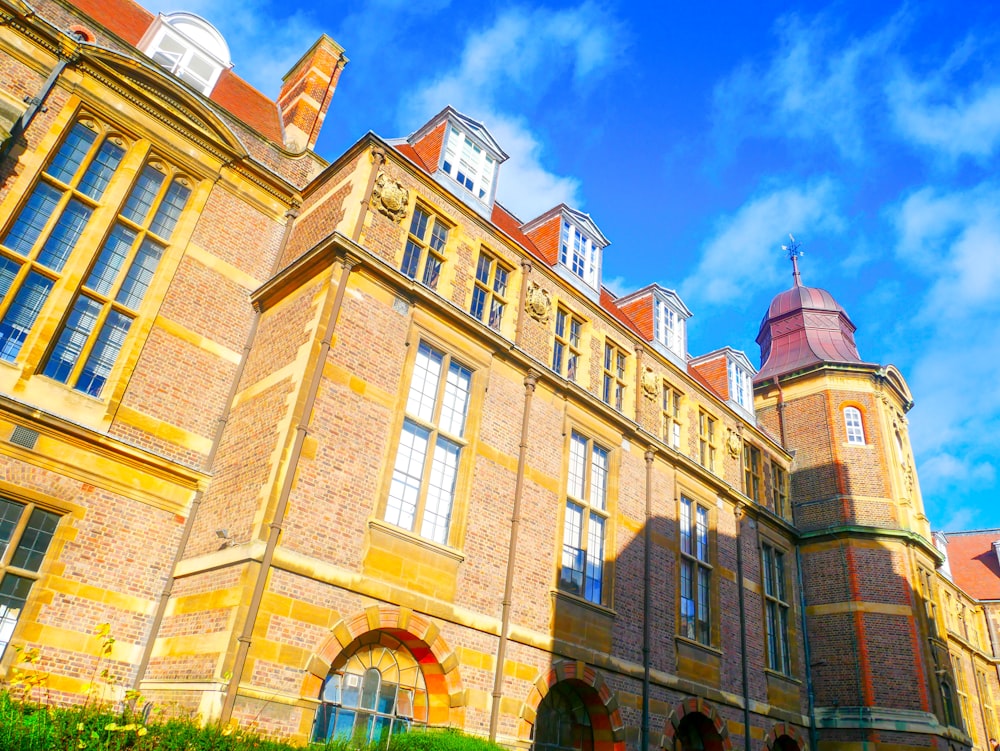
395	626
785	737
602	707
701	716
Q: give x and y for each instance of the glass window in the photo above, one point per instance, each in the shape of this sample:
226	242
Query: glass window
613	391
184	60
776	609
671	415
585	523
566	347
425	472
753	473
779	482
423	255
668	327
852	423
706	441
695	572
470	164
489	295
579	254
26	532
50	227
740	385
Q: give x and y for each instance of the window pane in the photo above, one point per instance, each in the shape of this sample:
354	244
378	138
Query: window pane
432	271
140	200
30	222
571	578
411	259
685	526
418	225
687	599
10	515
73	338
440	491
8	270
456	400
439	236
109	262
478	303
71	154
369	688
170	210
577	466
483	266
99	173
13	594
599	478
35	541
424	386
102	357
702	531
595	559
704	634
140	274
64	235
404	491
22	313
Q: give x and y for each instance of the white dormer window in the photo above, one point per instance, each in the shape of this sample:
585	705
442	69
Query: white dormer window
668	327
579	254
469	163
189	47
740	385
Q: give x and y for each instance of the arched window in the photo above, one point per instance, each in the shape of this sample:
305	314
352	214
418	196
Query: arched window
376	693
562	723
854	427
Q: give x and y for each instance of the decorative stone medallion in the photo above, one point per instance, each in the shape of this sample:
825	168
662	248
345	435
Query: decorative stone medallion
734	442
650	384
538	303
389	197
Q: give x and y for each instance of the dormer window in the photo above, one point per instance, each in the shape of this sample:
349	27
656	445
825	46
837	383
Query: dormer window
469	163
579	254
740	385
189	47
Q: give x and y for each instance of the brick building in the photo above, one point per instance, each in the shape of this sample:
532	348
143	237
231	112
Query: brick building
348	447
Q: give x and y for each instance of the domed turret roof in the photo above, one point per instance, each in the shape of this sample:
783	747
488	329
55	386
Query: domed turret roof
804	326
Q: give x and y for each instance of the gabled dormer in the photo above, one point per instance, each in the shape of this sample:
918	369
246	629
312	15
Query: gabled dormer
462	155
189	47
661	316
572	244
730	373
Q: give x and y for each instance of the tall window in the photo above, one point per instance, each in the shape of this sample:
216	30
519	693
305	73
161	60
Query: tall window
25	534
668	327
566	348
585	527
378	693
430	446
852	423
696	573
986	701
489	296
776	609
471	165
613	392
424	253
671	416
753	473
740	385
706	441
779	481
49	229
579	254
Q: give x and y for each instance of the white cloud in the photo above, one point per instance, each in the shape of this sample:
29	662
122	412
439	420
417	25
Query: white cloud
744	256
811	89
515	62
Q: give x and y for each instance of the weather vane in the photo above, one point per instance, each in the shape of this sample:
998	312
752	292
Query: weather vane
793	255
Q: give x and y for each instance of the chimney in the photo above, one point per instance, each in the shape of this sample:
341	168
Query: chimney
306	91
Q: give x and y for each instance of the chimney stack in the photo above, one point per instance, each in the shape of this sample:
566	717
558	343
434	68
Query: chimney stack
306	91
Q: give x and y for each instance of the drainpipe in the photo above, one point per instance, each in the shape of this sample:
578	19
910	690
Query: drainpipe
530	381
525	273
161	607
647	570
36	104
330	313
806	653
740	514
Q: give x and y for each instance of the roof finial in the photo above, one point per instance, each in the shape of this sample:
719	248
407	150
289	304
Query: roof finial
793	254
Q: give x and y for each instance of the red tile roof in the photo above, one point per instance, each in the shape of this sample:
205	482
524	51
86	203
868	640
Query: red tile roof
129	21
973	562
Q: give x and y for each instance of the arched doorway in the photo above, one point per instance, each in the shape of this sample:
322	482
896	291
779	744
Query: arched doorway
372	691
785	743
696	732
563	721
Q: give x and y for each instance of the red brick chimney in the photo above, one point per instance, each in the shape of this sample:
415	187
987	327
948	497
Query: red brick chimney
306	91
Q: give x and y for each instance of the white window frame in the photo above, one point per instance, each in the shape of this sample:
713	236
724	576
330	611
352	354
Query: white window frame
854	426
668	327
180	65
740	385
469	163
579	254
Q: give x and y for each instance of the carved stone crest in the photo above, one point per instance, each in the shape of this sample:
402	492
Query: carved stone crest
734	443
538	303
389	197
650	384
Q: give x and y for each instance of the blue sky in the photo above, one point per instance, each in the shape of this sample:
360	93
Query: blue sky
698	135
